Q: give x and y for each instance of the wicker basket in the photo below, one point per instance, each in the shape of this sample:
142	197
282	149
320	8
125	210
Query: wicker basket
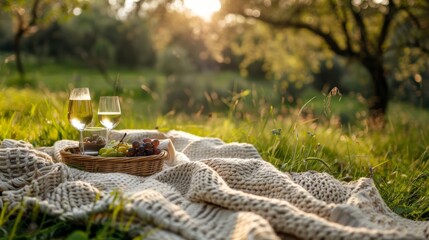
140	166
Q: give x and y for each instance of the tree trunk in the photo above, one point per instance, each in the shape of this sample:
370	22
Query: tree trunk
380	98
17	49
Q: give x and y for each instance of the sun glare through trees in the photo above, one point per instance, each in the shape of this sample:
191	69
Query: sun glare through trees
204	9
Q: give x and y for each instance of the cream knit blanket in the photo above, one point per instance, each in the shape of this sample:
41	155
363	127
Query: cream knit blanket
208	190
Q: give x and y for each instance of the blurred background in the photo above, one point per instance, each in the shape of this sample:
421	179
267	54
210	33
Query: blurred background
200	57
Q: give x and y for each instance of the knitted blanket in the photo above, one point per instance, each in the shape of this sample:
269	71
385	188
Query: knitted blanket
208	189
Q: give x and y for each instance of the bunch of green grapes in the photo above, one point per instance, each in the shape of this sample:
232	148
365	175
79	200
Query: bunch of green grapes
114	149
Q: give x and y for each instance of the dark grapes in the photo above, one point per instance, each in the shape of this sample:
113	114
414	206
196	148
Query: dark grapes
155	143
131	152
146	148
136	144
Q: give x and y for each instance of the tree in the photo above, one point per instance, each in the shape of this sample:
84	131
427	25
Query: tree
29	15
358	30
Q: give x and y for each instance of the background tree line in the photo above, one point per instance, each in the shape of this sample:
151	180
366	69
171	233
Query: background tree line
355	45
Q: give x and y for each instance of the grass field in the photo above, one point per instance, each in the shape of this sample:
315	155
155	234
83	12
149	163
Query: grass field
308	136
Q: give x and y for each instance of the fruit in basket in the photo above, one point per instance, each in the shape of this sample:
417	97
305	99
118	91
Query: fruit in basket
145	148
136	144
114	149
131	152
136	149
155	143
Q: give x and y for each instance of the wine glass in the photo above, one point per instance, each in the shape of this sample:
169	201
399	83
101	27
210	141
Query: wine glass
80	112
109	113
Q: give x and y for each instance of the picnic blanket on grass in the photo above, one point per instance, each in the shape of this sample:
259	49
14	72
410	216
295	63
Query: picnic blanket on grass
208	189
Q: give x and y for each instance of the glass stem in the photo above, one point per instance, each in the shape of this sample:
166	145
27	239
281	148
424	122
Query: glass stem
107	135
81	145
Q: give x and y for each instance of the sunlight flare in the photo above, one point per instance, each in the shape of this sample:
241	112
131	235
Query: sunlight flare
203	8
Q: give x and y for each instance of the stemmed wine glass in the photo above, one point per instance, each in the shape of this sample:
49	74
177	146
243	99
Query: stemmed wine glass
109	112
80	111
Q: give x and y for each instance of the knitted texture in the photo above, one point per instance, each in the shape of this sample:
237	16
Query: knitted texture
208	189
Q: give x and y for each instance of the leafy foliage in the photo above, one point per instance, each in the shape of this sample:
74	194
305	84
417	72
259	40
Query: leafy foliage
175	60
356	30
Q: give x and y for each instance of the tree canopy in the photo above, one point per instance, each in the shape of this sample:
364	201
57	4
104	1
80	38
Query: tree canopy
29	16
365	31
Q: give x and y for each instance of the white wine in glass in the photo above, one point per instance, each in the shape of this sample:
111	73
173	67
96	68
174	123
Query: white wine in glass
80	112
109	112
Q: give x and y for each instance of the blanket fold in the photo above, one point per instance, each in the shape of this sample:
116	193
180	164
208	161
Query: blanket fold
208	189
